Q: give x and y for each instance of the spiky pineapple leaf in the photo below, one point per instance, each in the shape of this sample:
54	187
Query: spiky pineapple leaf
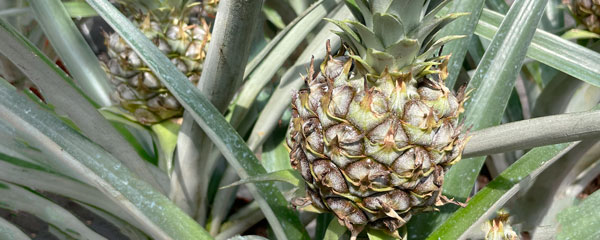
21	172
79	9
375	234
165	134
73	50
461	26
335	230
492	82
574	34
551	50
284	220
581	221
90	161
261	69
280	100
16	198
60	91
10	231
288	175
501	189
534	132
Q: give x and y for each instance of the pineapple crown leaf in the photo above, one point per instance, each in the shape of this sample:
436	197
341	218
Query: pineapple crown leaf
394	33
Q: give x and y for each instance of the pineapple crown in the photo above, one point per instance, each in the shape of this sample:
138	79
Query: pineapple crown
397	35
159	8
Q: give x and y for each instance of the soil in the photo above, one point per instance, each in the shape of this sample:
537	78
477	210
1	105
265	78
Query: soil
590	188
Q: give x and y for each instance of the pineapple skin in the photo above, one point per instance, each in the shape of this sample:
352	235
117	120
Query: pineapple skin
181	38
373	142
587	13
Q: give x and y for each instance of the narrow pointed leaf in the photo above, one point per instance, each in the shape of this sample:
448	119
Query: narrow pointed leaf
493	82
551	50
231	145
60	91
10	231
276	55
90	161
461	26
73	50
534	132
289	176
16	198
334	231
498	191
581	221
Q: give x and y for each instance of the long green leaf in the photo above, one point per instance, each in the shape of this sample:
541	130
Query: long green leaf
551	50
461	26
10	231
19	172
73	50
281	98
221	77
60	91
278	101
486	200
17	198
231	145
334	230
581	221
493	82
73	150
277	55
534	132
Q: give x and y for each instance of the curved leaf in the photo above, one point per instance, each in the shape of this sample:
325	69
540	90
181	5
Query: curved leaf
581	221
281	98
282	219
90	161
289	176
73	50
19	199
9	231
534	132
60	91
492	83
498	191
462	26
551	50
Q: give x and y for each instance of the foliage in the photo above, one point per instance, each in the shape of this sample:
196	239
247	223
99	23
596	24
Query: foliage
531	69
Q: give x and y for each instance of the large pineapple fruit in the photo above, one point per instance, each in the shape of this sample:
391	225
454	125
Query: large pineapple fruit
587	12
376	130
181	33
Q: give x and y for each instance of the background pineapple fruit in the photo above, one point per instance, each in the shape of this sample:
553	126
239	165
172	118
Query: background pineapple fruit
181	33
376	130
586	12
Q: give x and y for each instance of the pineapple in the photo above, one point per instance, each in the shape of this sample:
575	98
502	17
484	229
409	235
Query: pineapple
586	12
376	130
181	33
499	228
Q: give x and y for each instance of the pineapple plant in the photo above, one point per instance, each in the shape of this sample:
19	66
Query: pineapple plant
587	13
376	130
374	134
181	32
499	228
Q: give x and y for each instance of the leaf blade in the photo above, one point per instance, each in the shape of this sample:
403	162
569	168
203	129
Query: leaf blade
212	122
